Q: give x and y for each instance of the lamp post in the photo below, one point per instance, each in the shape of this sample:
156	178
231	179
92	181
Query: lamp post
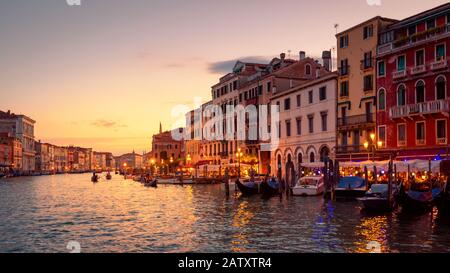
372	145
188	162
152	164
171	162
239	155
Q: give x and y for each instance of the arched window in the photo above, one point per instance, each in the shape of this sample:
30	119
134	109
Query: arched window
312	157
299	158
401	95
441	88
279	162
420	92
382	99
289	158
308	69
324	154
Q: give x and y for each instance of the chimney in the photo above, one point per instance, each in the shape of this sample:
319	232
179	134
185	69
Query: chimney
282	56
326	57
302	55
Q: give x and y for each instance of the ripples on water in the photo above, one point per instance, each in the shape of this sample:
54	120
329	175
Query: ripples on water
42	214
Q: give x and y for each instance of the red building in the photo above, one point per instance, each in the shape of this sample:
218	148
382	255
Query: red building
413	97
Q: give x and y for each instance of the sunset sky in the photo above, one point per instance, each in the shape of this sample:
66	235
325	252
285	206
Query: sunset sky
105	73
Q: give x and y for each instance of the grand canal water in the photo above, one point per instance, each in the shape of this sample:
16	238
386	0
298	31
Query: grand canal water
43	214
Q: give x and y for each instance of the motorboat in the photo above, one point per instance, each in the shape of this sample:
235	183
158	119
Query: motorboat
309	186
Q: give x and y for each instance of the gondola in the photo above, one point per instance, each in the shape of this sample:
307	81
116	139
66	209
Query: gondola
94	178
270	187
351	187
377	198
419	200
108	176
247	188
153	183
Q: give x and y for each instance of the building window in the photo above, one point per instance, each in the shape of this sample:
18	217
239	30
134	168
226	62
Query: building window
382	135
312	157
308	69
269	87
420	57
367	62
440	52
401	63
367	32
310	97
368	83
311	124
431	24
299	100
288	128
441	131
323	93
401	134
343	41
420	133
412	30
324	116
287	104
299	126
260	88
343	70
381	69
344	92
420	92
441	88
382	100
401	95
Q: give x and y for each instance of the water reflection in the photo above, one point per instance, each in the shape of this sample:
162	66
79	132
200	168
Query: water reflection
42	214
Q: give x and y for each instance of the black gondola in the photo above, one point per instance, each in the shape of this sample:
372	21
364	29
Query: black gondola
419	200
153	183
94	178
247	188
377	198
108	176
270	187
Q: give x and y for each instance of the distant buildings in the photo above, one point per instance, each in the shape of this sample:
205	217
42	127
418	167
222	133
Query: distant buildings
129	161
164	147
22	127
10	152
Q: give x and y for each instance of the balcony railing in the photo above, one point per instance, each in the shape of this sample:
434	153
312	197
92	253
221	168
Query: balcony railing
351	149
429	107
356	120
401	143
399	74
418	69
413	39
439	65
420	141
442	141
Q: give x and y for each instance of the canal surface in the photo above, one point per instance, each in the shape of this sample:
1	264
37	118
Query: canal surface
43	214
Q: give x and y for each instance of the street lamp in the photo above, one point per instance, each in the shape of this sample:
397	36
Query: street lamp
152	163
239	155
372	145
170	166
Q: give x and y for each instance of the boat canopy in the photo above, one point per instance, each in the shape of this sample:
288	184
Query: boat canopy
313	165
351	182
402	166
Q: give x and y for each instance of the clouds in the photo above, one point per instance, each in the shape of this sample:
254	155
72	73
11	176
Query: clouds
226	66
108	124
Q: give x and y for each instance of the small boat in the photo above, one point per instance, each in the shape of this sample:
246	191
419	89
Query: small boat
376	199
248	188
309	186
94	178
152	183
419	200
351	187
270	187
108	176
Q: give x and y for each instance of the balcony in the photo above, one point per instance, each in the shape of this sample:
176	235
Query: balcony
401	143
441	141
358	120
429	107
420	142
351	149
399	74
439	65
418	69
412	40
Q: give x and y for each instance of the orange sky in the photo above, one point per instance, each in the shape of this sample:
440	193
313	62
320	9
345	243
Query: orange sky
104	74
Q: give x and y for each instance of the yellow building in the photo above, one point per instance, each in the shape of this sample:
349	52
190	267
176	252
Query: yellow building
356	107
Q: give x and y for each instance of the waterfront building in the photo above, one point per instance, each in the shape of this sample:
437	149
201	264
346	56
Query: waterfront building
307	126
164	147
99	161
413	86
45	157
252	84
129	161
61	159
22	127
193	140
79	159
10	151
356	51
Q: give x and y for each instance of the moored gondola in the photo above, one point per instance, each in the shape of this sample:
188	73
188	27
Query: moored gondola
247	188
377	198
351	187
419	200
270	187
